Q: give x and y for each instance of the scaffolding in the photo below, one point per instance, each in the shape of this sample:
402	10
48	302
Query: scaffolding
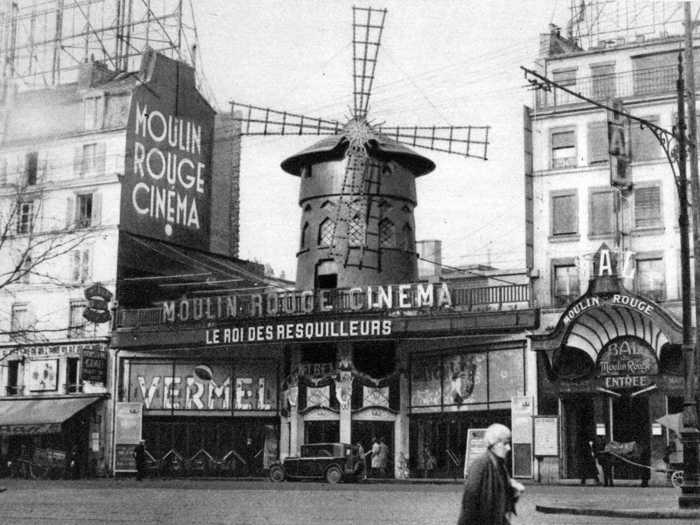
601	23
43	42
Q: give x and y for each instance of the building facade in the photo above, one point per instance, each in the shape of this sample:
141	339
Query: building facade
607	259
65	156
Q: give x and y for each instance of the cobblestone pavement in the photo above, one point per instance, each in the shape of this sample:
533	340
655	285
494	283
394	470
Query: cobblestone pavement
257	503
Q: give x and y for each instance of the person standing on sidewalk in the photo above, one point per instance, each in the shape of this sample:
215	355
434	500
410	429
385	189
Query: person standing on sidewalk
375	463
140	459
587	465
490	493
383	457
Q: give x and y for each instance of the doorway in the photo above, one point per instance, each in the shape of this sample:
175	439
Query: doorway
630	422
364	431
322	432
578	422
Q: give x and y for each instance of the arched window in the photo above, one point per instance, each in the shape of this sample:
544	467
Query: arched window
305	236
407	238
325	233
387	234
356	231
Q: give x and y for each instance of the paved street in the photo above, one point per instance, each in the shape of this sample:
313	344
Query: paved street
257	503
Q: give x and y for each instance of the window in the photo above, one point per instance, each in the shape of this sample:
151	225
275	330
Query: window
566	286
564	213
80	265
603	81
563	149
649	278
407	238
602	212
386	234
84	211
643	143
90	159
20	317
31	165
598	143
647	207
564	77
72	377
25	217
13	387
325	233
356	231
76	326
304	236
93	113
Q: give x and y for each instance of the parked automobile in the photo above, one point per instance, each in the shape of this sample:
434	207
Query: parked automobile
333	462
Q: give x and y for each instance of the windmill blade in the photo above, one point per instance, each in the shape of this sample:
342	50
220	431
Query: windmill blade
467	141
367	28
256	120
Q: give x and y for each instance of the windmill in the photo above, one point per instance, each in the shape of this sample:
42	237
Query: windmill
357	190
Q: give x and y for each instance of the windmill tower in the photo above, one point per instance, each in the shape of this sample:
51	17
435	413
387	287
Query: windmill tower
357	191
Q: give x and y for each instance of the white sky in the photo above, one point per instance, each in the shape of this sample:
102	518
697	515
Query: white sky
441	62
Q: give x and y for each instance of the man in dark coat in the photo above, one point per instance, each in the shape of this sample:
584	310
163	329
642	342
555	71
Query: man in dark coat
140	459
490	493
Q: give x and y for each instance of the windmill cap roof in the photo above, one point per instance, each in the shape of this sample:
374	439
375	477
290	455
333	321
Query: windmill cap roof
380	147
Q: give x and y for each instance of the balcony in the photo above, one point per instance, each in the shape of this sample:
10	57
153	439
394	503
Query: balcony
638	83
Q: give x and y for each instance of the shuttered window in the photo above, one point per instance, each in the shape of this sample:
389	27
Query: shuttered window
657	73
602	212
645	146
603	81
564	214
566	284
598	142
649	279
647	207
563	149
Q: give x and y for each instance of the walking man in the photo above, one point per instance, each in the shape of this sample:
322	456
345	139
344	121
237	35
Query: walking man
140	458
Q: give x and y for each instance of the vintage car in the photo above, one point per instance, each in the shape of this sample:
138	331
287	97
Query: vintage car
333	461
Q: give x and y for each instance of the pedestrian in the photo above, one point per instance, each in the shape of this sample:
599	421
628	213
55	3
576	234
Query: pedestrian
383	457
604	460
490	493
361	456
249	457
74	462
375	462
429	462
140	459
586	465
645	460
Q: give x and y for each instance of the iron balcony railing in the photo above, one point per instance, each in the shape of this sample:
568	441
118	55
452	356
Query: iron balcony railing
515	296
640	82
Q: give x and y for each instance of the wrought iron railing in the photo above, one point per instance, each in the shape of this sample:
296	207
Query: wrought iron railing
640	82
341	300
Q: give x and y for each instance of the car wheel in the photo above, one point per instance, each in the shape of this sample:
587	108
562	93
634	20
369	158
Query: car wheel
276	473
333	474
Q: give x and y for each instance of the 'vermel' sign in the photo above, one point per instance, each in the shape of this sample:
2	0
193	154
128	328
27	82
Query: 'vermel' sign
167	187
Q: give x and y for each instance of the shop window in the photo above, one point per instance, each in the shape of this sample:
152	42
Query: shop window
386	234
564	213
603	77
76	328
13	387
565	284
325	233
647	207
563	149
25	217
377	359
72	377
649	278
31	166
601	212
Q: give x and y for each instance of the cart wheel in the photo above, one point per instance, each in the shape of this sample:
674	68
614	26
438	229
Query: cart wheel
276	473
677	479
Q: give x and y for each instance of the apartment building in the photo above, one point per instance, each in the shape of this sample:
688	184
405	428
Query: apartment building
606	259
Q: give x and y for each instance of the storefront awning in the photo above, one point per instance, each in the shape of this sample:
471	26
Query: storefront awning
39	416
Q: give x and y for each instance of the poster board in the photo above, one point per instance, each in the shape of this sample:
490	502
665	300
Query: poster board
521	421
476	446
127	433
546	430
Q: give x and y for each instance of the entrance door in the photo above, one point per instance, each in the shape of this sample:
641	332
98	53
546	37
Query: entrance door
322	432
631	423
579	427
364	431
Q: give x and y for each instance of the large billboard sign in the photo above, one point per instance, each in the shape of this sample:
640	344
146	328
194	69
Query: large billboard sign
166	190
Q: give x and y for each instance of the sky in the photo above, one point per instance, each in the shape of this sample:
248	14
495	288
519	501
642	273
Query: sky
440	63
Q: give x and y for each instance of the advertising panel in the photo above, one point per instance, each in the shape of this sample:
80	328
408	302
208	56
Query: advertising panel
43	375
194	386
476	446
507	374
94	364
127	433
425	381
166	189
464	379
